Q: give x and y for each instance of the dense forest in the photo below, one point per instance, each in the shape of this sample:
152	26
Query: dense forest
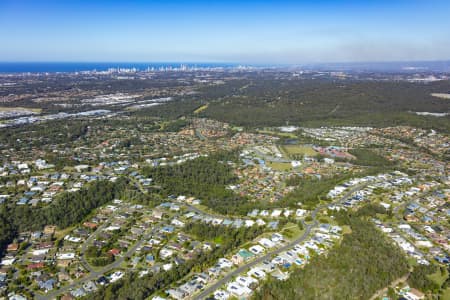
367	157
430	278
205	178
7	230
36	135
268	102
257	100
63	132
310	191
228	236
170	110
419	278
364	262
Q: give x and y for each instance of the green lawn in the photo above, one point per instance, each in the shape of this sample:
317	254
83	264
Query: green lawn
35	110
412	261
218	240
279	166
438	277
291	231
278	133
201	108
346	229
446	294
298	150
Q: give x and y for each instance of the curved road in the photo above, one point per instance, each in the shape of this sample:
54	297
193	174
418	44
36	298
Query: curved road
210	289
94	274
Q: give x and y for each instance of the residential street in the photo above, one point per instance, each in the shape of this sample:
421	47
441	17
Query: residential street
210	289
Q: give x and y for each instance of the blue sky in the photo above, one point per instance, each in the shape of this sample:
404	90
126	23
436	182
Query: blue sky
225	31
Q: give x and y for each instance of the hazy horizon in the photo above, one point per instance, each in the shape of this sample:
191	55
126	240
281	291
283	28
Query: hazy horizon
51	67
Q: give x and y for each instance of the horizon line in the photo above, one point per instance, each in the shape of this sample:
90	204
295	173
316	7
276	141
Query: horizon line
229	62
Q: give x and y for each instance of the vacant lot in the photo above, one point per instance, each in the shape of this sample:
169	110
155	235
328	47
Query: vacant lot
278	133
279	166
20	109
200	109
441	95
292	150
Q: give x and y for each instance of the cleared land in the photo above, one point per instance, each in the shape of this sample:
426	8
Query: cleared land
446	294
292	231
279	166
441	95
278	133
20	109
200	109
290	150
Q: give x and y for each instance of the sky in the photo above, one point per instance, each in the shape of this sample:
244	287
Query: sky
265	32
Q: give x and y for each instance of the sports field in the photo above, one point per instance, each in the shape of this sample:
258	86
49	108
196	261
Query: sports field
290	150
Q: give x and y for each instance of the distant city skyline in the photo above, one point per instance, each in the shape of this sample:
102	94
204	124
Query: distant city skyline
254	32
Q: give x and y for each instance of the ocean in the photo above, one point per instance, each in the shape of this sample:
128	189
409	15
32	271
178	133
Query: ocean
52	67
